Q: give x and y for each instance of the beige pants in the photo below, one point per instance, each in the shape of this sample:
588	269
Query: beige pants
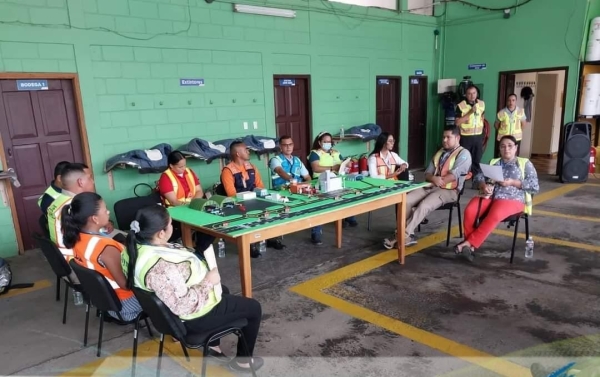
421	202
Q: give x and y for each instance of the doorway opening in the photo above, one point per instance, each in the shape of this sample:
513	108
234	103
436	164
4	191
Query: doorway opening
417	121
292	111
544	111
387	106
38	129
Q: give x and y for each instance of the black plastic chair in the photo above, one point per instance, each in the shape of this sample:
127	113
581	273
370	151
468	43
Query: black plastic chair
126	209
450	207
168	323
43	222
104	298
62	270
514	221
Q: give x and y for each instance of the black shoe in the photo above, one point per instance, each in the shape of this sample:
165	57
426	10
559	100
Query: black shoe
468	254
257	363
352	223
254	252
316	240
218	355
276	244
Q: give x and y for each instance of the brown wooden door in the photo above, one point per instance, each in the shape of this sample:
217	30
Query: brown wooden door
292	113
387	105
38	129
417	121
507	86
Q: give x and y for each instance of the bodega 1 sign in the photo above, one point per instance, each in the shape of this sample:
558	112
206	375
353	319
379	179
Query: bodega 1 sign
32	84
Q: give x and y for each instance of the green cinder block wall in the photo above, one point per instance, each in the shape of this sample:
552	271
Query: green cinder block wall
129	75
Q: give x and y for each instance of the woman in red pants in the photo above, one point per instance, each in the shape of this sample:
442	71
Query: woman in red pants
498	200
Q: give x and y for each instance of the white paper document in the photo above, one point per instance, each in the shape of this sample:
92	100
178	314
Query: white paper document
209	255
492	172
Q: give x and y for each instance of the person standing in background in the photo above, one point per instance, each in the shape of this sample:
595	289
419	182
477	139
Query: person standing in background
469	119
510	122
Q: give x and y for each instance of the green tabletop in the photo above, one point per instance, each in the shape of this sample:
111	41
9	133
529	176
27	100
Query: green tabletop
299	207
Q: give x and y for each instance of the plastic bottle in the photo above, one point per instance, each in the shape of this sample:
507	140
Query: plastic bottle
77	298
342	132
262	246
221	248
529	248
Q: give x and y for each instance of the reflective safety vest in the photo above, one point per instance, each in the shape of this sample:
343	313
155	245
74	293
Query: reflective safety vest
383	168
240	183
327	159
447	166
474	125
87	251
149	255
292	168
49	191
528	199
178	190
510	123
54	225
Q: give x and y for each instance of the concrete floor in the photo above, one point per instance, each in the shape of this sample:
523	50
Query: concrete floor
356	312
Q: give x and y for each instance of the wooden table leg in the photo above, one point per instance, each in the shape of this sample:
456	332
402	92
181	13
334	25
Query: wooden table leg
186	235
400	227
243	244
338	233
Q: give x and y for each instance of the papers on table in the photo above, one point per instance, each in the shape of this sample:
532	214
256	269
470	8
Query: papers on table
492	172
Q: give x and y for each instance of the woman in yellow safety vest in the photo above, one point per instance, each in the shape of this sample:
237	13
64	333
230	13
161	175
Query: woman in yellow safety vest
383	161
178	185
510	122
322	158
186	285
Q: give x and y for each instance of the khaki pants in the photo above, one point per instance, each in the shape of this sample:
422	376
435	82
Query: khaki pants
423	201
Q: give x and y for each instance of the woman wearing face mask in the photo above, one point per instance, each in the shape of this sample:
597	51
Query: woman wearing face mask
178	185
322	158
81	222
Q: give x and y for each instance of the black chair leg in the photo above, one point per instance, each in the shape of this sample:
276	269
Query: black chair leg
526	227
87	322
204	357
460	223
149	329
135	337
185	352
58	288
512	252
369	221
242	338
449	226
160	352
66	302
100	334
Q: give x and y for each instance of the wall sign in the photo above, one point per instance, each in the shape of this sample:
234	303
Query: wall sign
191	82
383	81
477	66
287	82
419	72
32	84
414	81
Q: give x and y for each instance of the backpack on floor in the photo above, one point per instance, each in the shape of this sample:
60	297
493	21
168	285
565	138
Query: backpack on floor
6	278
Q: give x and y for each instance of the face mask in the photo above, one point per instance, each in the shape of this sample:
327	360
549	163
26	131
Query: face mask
326	146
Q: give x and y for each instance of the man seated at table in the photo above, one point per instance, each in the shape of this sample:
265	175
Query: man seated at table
286	168
239	176
446	173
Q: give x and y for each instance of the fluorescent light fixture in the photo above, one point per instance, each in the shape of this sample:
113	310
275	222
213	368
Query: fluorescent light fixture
264	11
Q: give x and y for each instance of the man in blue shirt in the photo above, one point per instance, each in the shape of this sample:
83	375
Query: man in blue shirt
286	168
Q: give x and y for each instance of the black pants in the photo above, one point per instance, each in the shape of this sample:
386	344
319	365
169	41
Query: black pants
474	144
229	309
202	240
497	150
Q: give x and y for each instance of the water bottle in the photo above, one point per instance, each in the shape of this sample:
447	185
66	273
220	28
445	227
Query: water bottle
77	298
262	246
529	248
342	132
221	248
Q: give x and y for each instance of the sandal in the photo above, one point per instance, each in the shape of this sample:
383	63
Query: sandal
389	244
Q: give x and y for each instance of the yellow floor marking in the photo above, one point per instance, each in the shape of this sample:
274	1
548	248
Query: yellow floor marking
575	245
40	284
565	216
313	290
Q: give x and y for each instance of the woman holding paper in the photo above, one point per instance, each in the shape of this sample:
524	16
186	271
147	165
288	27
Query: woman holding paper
498	199
186	285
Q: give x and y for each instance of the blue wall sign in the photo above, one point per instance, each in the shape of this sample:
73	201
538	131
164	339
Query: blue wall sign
32	84
383	81
477	66
419	72
287	82
191	82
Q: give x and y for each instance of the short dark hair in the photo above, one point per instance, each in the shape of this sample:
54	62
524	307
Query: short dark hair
233	146
508	137
175	157
455	130
511	95
59	167
472	87
284	137
70	170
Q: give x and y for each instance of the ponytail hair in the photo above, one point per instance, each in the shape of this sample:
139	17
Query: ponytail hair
74	216
148	222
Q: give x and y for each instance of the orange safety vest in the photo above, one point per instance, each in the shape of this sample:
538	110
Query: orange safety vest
87	251
448	165
474	125
178	190
239	182
383	168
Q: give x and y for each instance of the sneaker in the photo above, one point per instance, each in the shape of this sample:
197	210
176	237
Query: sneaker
467	254
316	239
257	363
276	244
389	243
410	240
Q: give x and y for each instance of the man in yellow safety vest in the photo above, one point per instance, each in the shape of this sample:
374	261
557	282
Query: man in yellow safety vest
510	122
469	119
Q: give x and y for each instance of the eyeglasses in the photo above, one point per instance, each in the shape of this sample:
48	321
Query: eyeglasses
287	145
